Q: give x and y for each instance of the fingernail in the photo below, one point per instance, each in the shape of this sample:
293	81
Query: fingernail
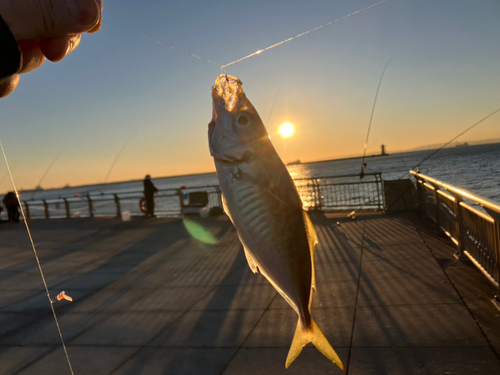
88	13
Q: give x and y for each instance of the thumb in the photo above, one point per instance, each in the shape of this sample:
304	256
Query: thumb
37	19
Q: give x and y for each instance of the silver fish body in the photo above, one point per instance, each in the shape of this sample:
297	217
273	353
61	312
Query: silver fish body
267	213
263	204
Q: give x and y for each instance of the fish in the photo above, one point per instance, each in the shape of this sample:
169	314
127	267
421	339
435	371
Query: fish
262	202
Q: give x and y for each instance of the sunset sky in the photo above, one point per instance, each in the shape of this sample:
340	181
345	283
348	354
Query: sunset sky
118	86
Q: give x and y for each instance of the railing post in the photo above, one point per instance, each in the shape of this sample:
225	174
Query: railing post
496	300
181	198
66	206
91	208
317	193
46	207
377	182
496	218
27	210
420	193
459	226
437	203
118	207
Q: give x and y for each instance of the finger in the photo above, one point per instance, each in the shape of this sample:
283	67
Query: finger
96	27
99	23
32	55
37	19
99	4
55	49
7	86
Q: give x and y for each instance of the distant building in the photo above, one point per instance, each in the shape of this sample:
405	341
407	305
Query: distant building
383	150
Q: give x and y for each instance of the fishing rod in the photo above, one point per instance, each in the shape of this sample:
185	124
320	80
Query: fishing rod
363	164
425	159
272	106
434	153
118	155
60	295
5	175
46	171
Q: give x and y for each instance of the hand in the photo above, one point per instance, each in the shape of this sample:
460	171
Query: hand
47	29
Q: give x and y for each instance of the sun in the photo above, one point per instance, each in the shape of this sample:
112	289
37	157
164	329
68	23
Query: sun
286	129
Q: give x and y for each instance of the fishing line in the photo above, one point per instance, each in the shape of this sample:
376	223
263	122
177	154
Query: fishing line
3	178
252	54
436	151
272	106
46	171
36	257
426	158
117	156
465	131
363	165
299	35
164	44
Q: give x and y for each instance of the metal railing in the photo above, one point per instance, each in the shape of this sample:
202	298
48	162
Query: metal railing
476	234
322	193
167	203
341	192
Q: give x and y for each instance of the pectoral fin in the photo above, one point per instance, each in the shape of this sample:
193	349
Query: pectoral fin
251	263
224	206
313	240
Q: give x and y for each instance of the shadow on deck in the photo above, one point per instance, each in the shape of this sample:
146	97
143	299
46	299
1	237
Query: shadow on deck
150	299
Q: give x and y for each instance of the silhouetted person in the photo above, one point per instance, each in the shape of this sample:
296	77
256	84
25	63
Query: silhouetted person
12	205
149	192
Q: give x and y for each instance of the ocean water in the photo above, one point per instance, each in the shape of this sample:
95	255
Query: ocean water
474	168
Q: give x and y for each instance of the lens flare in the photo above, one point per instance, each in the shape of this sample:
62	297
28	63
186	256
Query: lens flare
199	232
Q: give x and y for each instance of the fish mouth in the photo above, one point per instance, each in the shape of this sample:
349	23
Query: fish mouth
233	161
226	92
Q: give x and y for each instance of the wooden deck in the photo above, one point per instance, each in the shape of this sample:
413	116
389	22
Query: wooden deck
151	299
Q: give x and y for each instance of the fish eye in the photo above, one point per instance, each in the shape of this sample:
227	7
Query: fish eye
243	119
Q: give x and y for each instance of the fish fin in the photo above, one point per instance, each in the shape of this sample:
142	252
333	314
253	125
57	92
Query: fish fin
313	334
313	240
251	262
224	206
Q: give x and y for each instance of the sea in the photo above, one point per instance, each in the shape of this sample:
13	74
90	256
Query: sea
475	168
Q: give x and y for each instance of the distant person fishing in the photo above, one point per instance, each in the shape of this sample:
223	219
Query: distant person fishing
149	193
34	30
11	203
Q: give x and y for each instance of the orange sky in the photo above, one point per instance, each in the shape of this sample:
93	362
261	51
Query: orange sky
116	86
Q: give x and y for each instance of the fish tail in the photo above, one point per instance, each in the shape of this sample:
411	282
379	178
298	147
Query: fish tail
313	334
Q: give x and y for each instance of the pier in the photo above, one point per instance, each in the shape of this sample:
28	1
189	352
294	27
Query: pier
149	298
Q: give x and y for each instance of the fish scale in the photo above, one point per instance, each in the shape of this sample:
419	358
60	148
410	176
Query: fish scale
251	207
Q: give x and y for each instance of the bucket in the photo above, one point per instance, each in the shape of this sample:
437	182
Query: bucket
204	212
126	216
